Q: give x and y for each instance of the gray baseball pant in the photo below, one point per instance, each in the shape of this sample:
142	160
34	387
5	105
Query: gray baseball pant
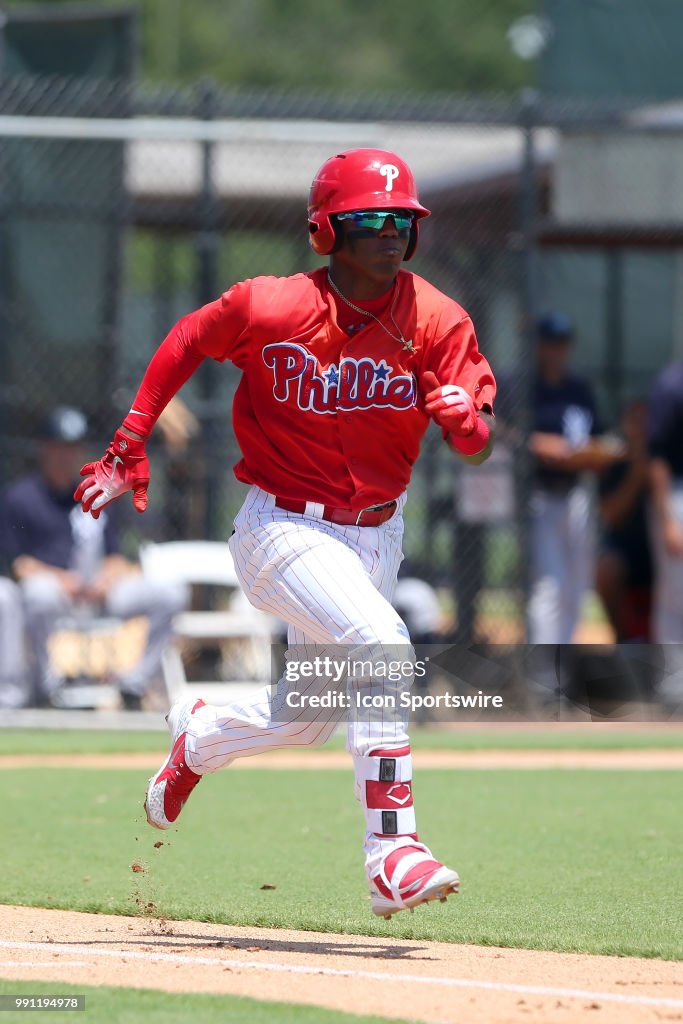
45	603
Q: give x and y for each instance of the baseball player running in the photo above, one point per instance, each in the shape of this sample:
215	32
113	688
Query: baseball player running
342	369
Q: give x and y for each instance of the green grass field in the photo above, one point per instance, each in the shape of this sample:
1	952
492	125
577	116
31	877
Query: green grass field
583	861
580	860
129	1006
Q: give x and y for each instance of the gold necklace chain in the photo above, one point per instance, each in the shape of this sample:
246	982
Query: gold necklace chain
407	345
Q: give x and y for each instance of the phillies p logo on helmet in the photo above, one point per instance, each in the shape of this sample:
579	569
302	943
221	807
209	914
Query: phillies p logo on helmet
390	171
360	179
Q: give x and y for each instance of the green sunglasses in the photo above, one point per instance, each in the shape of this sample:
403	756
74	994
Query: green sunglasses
374	219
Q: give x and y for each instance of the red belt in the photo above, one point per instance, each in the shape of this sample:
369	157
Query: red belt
374	515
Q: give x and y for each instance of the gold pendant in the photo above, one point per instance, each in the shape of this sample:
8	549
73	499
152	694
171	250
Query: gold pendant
408	345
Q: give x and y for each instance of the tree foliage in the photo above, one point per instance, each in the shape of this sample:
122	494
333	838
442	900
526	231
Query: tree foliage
418	46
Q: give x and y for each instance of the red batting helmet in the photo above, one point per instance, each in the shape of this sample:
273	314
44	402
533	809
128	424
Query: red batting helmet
360	179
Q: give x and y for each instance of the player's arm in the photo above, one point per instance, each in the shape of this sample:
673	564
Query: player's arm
458	386
595	455
617	504
218	330
25	566
17	530
113	569
124	466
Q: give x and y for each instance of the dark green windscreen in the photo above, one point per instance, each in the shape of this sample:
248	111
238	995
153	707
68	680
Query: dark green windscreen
613	48
62	211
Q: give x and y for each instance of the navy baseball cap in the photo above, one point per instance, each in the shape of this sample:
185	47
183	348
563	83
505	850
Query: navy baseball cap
65	424
554	326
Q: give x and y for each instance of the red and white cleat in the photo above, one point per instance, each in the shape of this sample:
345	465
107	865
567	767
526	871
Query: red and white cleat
169	789
408	877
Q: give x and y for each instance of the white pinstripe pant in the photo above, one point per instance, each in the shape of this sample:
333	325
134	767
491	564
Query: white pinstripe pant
333	586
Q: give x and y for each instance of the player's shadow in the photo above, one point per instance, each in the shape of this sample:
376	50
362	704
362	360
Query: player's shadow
178	941
322	948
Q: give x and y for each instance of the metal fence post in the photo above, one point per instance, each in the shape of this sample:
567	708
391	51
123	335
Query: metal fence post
613	367
529	291
206	289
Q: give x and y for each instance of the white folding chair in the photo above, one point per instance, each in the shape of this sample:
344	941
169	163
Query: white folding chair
243	633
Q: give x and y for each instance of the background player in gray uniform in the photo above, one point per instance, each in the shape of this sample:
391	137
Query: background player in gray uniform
566	448
562	515
64	561
665	433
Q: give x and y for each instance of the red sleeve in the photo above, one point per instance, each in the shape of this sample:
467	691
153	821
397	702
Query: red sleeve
218	330
455	358
221	329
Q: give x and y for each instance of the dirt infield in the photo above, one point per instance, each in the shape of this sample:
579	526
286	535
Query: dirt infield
424	981
634	760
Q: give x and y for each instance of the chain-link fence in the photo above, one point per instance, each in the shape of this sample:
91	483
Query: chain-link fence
121	209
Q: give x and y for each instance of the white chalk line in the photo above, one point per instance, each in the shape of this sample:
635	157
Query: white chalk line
45	963
413	979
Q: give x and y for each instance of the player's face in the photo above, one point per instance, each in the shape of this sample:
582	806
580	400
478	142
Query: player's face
553	358
374	253
60	463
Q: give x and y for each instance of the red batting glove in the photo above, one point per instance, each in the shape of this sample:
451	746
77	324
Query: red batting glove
450	406
454	410
124	467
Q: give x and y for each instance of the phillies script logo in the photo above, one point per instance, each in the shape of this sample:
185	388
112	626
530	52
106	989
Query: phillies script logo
354	384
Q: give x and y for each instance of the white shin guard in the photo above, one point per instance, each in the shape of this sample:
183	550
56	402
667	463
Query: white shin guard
384	788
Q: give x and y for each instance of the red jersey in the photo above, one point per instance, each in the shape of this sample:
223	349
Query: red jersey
320	415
